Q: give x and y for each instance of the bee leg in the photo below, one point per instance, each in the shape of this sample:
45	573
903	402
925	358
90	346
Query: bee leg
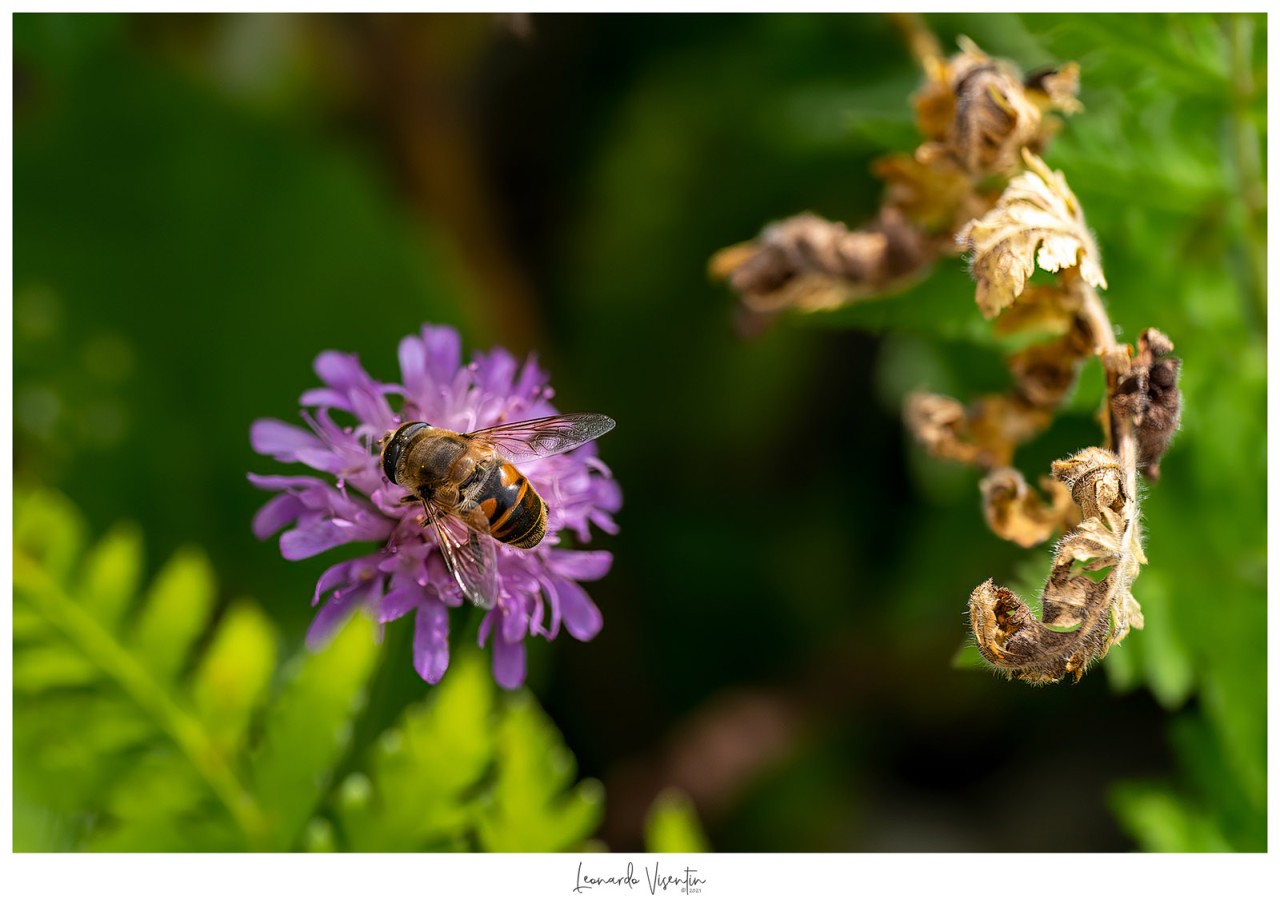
404	500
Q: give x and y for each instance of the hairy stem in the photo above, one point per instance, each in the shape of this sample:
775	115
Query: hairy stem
120	665
922	42
1115	361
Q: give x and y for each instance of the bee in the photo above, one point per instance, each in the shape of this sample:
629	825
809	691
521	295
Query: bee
472	493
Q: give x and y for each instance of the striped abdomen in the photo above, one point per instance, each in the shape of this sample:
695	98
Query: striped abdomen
516	513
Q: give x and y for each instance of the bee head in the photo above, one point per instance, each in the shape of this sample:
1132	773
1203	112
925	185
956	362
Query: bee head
396	444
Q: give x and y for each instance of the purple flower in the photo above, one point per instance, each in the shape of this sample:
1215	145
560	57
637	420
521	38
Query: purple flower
538	589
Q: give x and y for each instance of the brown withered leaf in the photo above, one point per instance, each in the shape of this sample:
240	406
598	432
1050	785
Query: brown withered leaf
1047	371
1081	617
994	118
1037	221
1055	88
1041	308
1149	394
1014	512
985	434
939	197
807	263
937	422
988	432
976	116
935	102
976	111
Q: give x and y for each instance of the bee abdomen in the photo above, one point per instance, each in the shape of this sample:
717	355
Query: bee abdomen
516	513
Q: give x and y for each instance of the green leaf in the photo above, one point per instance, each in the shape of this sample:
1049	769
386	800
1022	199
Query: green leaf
115	752
307	730
175	610
424	766
319	837
1163	822
672	825
534	804
50	666
1166	659
233	676
1123	667
112	572
158	783
48	529
464	769
89	704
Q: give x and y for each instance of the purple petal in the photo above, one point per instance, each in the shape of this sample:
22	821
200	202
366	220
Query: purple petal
443	348
431	641
413	366
508	664
332	577
281	440
553	600
486	626
581	617
603	521
330	619
515	622
277	483
340	370
580	565
495	371
325	398
281	510
399	602
532	380
315	535
321	459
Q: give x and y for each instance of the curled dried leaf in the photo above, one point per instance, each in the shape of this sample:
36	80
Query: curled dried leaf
1037	221
1055	88
1014	512
1046	372
1082	617
937	421
935	102
1041	308
938	196
983	435
976	116
808	263
994	118
978	112
1148	392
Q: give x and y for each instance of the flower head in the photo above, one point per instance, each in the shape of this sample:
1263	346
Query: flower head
538	588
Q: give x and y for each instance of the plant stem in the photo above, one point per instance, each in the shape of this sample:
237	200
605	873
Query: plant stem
1115	361
922	42
119	664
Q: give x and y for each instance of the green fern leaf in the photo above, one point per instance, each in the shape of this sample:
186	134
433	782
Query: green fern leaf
127	738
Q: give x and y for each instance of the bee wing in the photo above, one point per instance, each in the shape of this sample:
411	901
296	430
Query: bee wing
470	555
529	439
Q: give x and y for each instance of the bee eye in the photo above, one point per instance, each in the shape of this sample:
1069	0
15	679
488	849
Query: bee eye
395	444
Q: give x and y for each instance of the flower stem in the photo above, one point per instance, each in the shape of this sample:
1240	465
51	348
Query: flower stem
118	663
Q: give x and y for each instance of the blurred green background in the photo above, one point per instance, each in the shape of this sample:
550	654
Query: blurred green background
203	203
